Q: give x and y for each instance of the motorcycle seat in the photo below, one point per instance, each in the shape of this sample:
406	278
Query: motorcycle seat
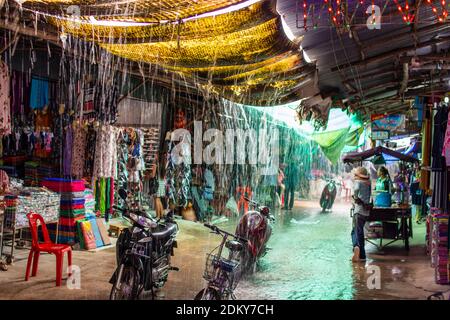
164	232
234	245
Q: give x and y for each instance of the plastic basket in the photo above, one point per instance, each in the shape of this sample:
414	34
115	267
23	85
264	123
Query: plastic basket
383	200
213	262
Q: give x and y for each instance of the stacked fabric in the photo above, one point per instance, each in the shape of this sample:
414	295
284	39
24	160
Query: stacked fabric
89	203
71	207
45	170
31	174
38	200
439	247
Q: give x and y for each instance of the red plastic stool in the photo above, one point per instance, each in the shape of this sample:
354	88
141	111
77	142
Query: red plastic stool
47	246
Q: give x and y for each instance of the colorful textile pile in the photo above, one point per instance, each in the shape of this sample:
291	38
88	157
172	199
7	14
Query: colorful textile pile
71	207
89	203
45	170
439	246
39	200
92	233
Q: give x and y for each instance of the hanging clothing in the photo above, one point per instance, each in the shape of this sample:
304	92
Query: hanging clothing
104	195
68	152
89	151
5	112
105	162
20	93
446	146
439	133
439	175
78	151
39	94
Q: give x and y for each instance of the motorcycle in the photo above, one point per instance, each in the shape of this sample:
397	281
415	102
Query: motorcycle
143	254
222	274
328	196
256	227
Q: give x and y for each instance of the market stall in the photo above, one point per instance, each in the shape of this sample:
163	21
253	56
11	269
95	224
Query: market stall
394	222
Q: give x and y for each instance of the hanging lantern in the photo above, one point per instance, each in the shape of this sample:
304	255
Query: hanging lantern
404	11
440	17
305	12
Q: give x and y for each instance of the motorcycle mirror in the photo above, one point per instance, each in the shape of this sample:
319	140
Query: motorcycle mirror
123	194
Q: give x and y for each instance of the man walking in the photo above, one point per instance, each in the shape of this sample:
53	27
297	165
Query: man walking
291	182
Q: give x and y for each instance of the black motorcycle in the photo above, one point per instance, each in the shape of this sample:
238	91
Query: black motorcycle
143	254
328	196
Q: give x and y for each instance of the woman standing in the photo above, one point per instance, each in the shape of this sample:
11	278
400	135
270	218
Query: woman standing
361	198
383	188
160	196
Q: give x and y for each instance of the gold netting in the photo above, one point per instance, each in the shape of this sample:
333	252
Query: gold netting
152	10
199	28
243	55
248	46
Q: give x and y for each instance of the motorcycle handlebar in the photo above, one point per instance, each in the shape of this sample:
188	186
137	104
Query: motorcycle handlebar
220	231
251	201
118	209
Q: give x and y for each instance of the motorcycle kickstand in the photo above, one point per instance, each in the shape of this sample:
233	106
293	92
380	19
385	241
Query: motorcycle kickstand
174	269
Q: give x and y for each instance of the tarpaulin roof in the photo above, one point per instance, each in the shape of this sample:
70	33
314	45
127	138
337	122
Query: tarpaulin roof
361	156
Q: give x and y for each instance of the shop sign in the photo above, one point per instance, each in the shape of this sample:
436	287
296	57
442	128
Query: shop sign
393	122
380	135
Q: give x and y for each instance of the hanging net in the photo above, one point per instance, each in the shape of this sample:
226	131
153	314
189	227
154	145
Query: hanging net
243	55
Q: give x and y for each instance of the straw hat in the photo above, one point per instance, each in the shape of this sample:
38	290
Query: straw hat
361	173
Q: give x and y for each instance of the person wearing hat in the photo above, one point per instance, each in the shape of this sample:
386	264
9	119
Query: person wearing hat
361	196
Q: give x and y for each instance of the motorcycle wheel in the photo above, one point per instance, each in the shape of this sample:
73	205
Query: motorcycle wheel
249	265
210	294
127	286
122	243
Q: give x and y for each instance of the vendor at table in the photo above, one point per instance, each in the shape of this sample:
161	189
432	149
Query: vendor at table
361	198
383	197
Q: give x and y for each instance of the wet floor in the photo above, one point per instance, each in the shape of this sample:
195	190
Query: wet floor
310	259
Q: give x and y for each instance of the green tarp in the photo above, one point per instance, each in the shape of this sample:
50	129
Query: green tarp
333	142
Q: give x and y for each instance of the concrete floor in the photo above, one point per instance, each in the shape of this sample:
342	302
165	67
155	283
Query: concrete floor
310	260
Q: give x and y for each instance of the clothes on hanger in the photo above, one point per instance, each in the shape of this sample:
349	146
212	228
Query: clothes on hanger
78	151
5	112
105	162
446	144
39	97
